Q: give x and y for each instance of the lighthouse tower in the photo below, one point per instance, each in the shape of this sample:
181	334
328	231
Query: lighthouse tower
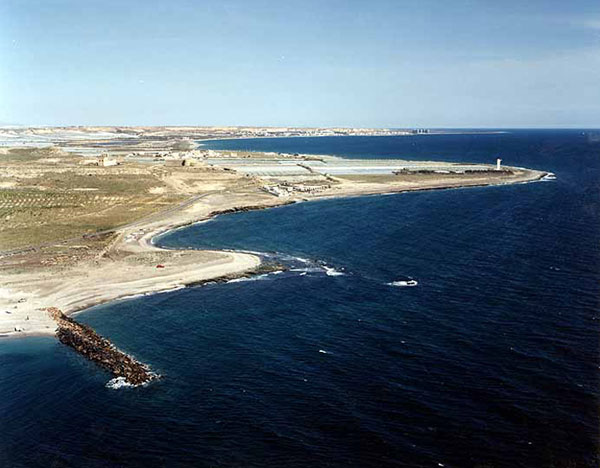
498	164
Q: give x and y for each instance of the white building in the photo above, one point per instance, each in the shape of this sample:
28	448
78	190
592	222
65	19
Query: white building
106	161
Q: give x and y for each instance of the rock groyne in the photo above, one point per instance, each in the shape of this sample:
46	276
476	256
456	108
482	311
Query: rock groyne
98	349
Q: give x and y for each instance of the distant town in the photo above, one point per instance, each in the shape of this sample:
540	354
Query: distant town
41	136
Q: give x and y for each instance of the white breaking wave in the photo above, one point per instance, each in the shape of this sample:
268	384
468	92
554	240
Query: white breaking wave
300	259
306	270
254	278
407	283
330	271
118	382
299	265
243	280
121	382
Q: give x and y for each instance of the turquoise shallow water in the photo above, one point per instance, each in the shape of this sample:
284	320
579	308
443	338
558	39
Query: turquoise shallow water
492	360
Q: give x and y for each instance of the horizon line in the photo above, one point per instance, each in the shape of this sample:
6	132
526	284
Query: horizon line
10	125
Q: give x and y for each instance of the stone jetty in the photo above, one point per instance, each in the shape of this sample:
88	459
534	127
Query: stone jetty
98	349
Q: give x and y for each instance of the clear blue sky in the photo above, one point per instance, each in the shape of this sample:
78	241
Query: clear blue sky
501	63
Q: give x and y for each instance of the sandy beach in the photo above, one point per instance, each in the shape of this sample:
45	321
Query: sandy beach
24	298
131	265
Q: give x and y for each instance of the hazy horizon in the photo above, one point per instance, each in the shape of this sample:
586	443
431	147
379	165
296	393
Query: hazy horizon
498	129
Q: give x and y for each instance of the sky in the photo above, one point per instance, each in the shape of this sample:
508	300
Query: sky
444	64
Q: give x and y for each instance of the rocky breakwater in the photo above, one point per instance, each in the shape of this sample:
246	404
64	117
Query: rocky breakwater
98	349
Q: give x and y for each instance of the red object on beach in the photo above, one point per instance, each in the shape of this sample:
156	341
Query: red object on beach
160	266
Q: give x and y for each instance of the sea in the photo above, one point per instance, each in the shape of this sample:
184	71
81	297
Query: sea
491	360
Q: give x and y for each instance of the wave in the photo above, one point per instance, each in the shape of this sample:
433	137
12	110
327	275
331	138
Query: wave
254	278
330	271
294	264
152	293
321	268
293	258
283	257
119	382
298	264
403	283
306	270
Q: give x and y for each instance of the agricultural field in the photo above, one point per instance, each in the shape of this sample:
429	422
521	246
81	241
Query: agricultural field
46	197
32	217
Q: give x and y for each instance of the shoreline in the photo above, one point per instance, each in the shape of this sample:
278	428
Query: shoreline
474	132
85	294
223	264
159	233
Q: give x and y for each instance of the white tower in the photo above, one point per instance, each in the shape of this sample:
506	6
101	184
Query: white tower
498	164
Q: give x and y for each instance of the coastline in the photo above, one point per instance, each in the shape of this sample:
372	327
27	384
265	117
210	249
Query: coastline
91	290
110	277
473	132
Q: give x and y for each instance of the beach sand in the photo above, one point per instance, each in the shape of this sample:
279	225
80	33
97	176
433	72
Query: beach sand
129	265
24	298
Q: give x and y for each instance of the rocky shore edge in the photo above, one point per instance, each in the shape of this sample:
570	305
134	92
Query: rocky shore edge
262	269
239	209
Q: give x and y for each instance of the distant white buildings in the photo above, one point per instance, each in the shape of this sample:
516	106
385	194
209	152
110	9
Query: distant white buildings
285	190
498	164
106	160
276	190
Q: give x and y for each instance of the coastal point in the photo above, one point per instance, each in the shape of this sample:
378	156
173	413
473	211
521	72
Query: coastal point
79	219
299	234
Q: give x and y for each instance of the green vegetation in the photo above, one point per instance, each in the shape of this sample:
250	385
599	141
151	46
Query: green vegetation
26	154
33	217
101	180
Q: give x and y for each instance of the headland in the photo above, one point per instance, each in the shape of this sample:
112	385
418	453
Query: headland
79	219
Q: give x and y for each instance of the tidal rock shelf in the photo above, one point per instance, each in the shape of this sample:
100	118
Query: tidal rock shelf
262	269
242	209
98	349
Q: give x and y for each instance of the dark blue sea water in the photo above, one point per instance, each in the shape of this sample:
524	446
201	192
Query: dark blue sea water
491	361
